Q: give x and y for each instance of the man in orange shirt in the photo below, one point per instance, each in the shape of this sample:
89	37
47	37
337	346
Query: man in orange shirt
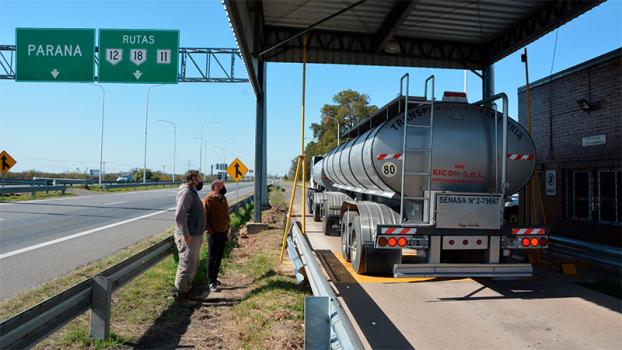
217	224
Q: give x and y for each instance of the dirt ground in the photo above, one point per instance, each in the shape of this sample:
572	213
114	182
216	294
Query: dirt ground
242	315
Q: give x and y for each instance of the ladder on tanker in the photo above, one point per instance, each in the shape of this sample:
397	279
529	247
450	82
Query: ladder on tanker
424	198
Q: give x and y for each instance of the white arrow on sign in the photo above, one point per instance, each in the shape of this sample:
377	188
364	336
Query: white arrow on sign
137	74
55	73
138	56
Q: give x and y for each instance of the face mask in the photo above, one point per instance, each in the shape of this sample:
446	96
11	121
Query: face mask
199	186
223	191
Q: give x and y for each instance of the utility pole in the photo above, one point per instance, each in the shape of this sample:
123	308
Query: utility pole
174	143
146	119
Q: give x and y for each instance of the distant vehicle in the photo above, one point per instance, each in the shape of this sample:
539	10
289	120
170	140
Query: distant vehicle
125	178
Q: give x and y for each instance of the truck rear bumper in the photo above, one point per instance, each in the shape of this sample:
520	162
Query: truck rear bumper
462	270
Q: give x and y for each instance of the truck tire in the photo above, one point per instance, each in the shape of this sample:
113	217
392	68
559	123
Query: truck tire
346	226
366	259
326	225
317	212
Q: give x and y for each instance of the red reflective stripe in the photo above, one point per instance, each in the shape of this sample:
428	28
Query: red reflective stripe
390	230
382	156
404	231
519	156
397	156
527	231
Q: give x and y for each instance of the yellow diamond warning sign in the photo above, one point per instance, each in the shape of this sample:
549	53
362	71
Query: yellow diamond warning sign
237	170
6	161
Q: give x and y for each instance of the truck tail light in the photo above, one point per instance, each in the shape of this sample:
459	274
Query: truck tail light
525	242
392	242
402	242
544	241
535	242
382	241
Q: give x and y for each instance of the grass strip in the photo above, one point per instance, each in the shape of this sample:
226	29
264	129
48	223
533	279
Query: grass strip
30	197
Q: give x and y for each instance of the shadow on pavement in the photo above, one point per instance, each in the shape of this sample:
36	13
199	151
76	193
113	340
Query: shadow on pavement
378	329
540	286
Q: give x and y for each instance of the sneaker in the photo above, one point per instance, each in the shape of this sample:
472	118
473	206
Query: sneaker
213	287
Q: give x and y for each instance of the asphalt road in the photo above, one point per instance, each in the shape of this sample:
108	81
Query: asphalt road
43	239
547	311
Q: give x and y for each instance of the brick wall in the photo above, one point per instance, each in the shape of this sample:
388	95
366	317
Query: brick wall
558	126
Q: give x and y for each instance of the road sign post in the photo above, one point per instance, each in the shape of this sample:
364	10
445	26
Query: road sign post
237	170
56	55
138	56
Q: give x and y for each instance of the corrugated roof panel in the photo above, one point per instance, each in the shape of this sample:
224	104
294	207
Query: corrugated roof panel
365	18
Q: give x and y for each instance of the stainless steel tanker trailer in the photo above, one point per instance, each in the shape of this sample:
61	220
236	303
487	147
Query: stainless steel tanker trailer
430	177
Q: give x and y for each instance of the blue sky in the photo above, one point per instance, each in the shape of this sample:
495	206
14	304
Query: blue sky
56	127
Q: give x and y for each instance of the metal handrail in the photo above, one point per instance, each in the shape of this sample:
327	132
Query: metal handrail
27	328
407	77
425	94
340	323
504	149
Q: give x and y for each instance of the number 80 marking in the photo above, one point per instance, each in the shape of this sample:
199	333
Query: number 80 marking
389	169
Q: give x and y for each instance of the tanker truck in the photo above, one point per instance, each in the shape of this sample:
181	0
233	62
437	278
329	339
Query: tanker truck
429	178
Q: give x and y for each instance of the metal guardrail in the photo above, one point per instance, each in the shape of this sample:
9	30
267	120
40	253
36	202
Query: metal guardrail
33	325
25	182
61	181
596	253
328	313
31	189
139	184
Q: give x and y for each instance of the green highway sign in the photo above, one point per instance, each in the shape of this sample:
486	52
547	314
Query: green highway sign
62	55
138	56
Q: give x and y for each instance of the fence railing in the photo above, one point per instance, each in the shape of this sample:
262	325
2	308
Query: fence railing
597	253
138	184
31	189
326	323
35	324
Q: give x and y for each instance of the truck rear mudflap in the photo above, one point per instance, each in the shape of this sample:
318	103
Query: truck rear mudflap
462	270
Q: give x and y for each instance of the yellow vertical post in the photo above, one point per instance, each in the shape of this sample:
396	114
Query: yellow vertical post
303	193
290	211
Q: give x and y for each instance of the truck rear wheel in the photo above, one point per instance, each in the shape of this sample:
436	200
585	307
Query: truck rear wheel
317	212
366	258
346	227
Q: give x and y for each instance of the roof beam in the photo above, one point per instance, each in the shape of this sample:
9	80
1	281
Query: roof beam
392	23
355	48
554	15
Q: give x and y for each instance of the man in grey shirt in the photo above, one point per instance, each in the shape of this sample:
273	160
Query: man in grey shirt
189	228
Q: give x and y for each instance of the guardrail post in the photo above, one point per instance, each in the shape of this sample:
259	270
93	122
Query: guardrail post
317	323
101	297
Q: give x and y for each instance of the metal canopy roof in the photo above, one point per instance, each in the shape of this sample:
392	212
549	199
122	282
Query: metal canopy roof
463	34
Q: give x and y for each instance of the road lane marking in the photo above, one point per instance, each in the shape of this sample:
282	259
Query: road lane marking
113	203
80	234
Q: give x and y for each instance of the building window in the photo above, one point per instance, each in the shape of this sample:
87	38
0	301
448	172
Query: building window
582	195
609	188
594	195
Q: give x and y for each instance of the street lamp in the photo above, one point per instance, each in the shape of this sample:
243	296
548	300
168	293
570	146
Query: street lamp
203	146
101	140
202	139
174	142
338	132
146	118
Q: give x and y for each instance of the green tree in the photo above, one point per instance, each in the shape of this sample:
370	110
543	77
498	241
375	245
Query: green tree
349	108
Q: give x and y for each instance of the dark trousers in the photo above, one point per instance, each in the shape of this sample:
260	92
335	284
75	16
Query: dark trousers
216	249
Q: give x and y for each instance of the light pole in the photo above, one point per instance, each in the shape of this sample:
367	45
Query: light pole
338	132
101	140
203	145
202	139
174	142
146	119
